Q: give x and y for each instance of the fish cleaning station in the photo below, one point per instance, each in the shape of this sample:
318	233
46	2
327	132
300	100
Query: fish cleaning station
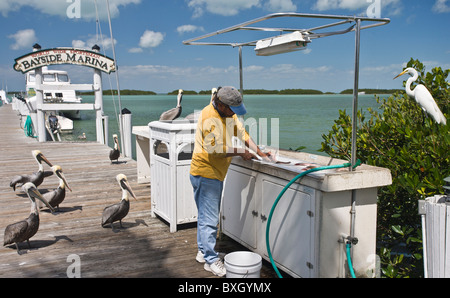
309	215
306	215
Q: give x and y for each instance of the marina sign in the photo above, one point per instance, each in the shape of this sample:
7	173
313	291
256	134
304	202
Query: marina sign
64	56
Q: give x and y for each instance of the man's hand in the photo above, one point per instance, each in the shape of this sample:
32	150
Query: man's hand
247	155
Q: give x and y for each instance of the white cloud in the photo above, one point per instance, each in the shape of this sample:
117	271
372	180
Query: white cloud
59	8
135	50
388	7
189	28
151	39
221	7
79	44
280	6
104	42
441	6
23	39
233	7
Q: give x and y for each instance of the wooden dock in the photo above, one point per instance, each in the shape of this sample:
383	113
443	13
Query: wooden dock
143	248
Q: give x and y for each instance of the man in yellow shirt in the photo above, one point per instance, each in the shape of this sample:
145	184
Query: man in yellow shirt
213	150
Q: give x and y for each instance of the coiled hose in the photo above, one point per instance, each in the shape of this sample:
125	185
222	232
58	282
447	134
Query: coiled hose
344	165
28	127
349	260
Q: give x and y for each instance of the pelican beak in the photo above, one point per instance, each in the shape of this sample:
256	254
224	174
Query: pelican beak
43	158
402	73
116	140
36	194
65	181
127	186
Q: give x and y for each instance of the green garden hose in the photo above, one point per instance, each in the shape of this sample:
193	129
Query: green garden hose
28	127
345	165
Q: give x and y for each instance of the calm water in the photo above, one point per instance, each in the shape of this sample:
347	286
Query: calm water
302	119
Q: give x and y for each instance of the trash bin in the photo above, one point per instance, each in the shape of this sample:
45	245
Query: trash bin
435	212
171	148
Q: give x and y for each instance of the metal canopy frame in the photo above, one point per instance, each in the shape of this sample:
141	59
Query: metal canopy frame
336	20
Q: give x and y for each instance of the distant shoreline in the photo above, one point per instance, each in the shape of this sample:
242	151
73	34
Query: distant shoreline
246	92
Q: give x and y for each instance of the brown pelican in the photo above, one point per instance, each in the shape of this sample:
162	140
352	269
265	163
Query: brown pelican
174	113
56	196
36	178
27	228
114	154
118	211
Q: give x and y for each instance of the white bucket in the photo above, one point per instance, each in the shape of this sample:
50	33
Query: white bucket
244	264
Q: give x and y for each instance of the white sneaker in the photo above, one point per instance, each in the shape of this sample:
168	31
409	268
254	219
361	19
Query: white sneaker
217	268
200	258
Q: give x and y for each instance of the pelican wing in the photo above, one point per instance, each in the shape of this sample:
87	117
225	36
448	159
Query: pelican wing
48	173
109	213
171	114
14	231
19	179
114	154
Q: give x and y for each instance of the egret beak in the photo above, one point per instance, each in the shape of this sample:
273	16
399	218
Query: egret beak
36	194
127	186
402	73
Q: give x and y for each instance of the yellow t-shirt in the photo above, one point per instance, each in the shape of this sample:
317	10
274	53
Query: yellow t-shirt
213	139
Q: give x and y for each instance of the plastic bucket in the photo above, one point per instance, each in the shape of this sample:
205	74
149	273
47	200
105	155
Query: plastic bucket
243	264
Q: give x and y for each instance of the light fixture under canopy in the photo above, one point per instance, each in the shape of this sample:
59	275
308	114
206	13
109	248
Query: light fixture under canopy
282	44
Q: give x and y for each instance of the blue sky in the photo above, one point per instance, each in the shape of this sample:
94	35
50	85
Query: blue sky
148	38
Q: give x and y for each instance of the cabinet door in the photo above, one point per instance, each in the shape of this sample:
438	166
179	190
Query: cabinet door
291	228
238	206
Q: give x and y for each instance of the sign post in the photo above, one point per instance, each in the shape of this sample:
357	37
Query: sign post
39	58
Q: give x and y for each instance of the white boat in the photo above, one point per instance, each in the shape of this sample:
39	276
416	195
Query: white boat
59	79
3	97
61	94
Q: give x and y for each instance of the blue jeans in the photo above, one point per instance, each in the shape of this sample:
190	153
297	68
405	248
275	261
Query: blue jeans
207	195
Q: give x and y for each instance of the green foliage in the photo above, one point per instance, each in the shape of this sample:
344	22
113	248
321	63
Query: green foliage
122	92
371	91
185	92
400	136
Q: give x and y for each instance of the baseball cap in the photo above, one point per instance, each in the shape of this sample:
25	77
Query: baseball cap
232	97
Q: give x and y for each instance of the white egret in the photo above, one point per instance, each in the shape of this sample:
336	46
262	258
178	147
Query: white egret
423	97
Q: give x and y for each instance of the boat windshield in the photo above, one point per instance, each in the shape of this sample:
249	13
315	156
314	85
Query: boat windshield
49	78
63	78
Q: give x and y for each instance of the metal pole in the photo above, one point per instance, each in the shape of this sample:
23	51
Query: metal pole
241	77
117	76
354	128
355	93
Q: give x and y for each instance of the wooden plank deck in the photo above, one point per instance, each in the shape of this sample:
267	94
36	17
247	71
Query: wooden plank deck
144	248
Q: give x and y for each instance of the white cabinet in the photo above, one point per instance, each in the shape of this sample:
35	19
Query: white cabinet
311	218
292	227
239	211
247	200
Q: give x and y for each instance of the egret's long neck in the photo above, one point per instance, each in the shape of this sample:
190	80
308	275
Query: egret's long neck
408	85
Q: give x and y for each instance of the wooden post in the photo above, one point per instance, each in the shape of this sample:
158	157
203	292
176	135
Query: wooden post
101	132
42	136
